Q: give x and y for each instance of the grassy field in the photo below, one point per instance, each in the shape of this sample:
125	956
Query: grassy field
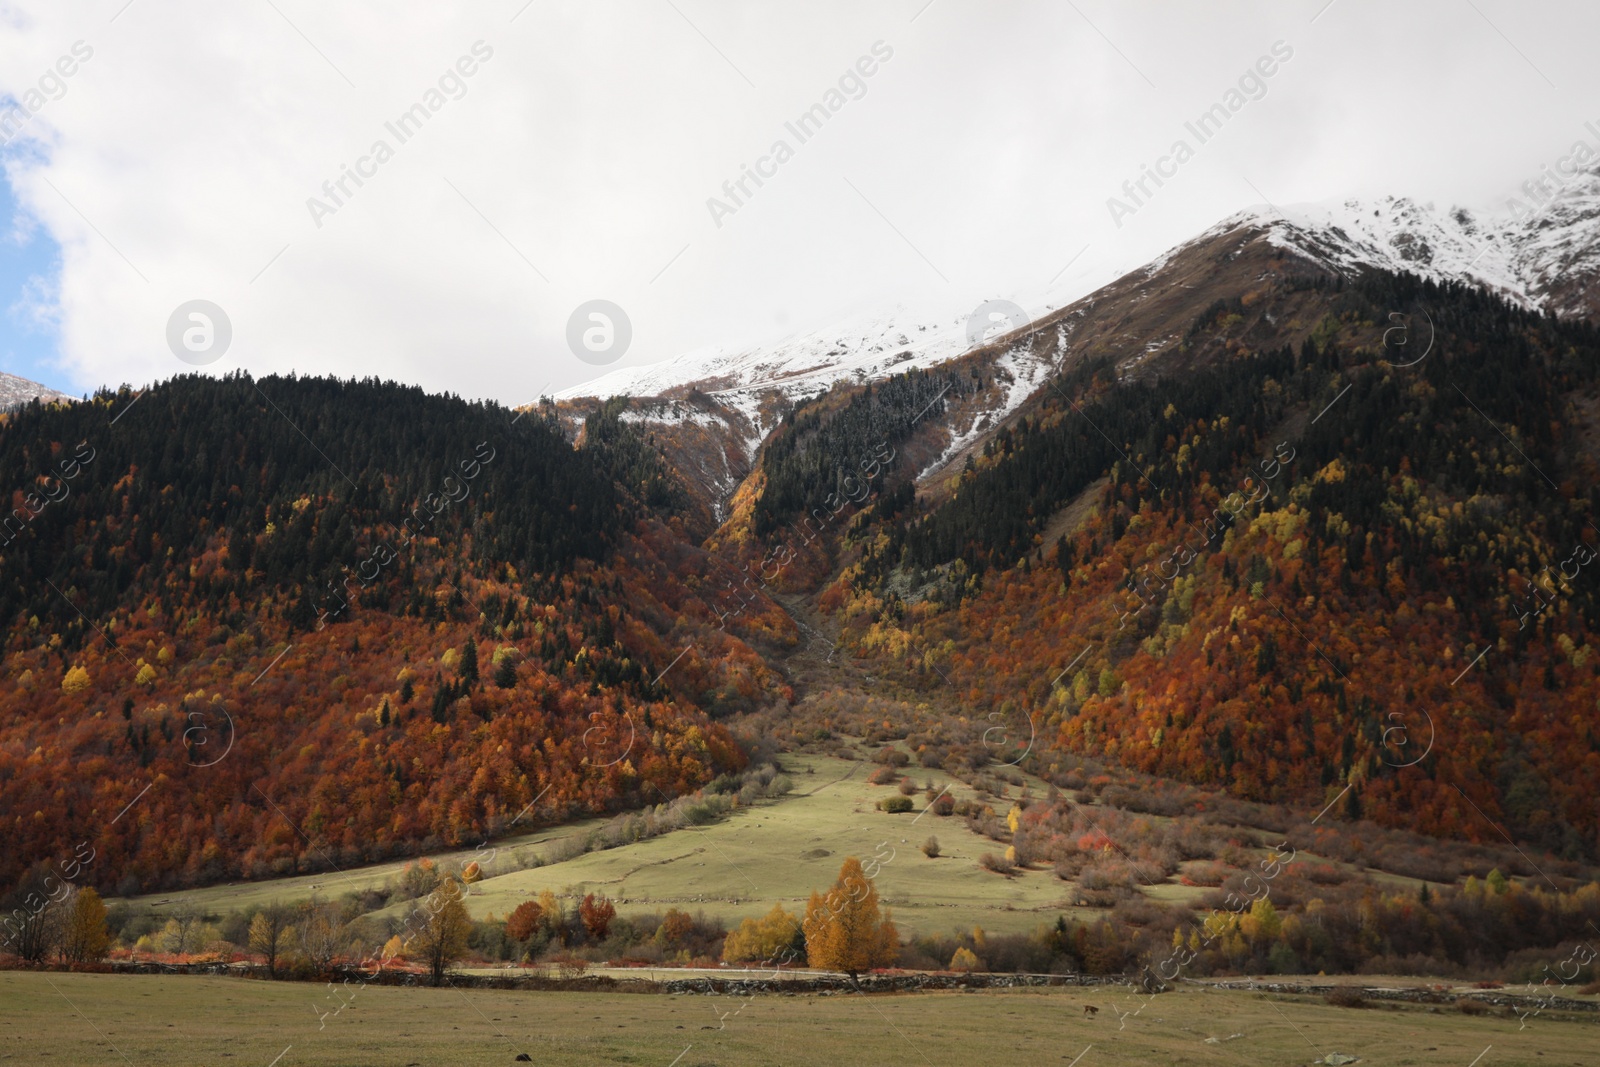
86	1020
233	896
775	852
778	851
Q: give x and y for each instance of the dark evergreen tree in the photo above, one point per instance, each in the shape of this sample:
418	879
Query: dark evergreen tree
505	675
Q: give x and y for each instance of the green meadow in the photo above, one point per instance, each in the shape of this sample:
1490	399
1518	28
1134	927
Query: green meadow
776	851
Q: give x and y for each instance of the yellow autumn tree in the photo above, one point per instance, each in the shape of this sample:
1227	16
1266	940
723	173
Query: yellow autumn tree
845	930
84	937
770	939
1261	924
76	681
965	960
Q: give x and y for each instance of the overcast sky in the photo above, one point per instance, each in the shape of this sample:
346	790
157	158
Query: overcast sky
175	162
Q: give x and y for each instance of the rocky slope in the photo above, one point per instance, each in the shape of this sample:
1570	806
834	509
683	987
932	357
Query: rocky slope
15	391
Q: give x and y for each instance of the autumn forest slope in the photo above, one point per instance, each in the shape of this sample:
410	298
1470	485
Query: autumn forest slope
254	627
1338	568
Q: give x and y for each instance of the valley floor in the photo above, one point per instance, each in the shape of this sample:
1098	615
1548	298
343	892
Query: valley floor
775	852
92	1019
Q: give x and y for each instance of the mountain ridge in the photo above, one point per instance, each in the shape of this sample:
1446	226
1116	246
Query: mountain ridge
1520	256
16	391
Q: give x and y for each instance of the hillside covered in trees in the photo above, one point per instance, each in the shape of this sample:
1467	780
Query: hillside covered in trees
260	626
1343	568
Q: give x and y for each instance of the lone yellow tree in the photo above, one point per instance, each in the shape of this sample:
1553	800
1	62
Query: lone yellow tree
845	930
440	926
84	938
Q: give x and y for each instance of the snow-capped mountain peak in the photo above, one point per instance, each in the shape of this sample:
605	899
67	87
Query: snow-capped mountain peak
1541	251
1541	254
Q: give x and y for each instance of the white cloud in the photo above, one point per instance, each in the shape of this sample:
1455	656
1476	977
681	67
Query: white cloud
37	308
592	138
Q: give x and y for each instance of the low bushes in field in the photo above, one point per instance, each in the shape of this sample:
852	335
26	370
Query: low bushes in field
883	776
890	756
1000	864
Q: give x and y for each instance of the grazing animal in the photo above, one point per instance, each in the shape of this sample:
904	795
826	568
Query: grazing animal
1090	1009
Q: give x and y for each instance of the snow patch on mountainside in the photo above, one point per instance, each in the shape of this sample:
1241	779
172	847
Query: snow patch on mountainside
1559	249
1025	373
860	349
757	382
15	391
677	413
1404	235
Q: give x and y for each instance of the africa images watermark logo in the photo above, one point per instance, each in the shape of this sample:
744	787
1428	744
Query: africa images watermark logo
199	332
1252	86
1543	190
994	318
599	332
406	125
51	85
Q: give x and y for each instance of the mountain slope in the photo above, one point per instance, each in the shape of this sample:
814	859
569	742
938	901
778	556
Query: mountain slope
254	627
1303	571
405	619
